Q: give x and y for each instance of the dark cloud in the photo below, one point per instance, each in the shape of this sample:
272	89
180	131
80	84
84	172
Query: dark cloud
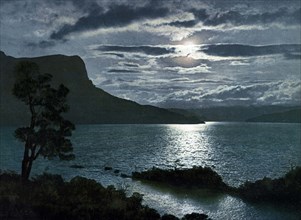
115	16
78	4
239	50
131	65
293	56
88	6
200	15
282	15
149	50
42	44
115	54
186	24
122	71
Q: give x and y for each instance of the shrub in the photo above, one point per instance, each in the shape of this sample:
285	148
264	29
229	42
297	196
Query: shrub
195	177
287	188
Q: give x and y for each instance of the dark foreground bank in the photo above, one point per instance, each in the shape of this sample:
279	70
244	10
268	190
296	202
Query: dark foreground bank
286	189
48	196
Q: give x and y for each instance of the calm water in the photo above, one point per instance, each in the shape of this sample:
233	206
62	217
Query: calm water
237	151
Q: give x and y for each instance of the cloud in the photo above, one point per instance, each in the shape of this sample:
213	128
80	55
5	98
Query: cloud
181	61
282	15
236	91
281	92
270	93
86	7
233	17
285	92
239	63
131	64
186	24
293	56
115	16
149	50
199	15
122	71
42	44
200	69
224	35
114	54
239	50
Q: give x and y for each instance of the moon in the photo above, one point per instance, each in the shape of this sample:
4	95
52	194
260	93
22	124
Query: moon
189	48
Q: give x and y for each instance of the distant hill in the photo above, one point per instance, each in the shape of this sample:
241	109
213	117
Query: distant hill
292	116
233	113
88	104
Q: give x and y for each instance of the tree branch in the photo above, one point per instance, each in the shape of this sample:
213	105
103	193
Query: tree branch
38	153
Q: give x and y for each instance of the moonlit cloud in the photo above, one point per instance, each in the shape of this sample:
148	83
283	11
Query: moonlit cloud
240	52
277	93
180	61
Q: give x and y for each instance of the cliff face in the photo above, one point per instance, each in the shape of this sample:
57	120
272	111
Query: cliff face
88	104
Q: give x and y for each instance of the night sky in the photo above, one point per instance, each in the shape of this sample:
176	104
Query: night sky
169	53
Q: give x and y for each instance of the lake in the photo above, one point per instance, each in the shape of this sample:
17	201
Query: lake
237	151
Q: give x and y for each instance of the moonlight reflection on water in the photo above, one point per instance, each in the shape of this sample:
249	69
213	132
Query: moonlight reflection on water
236	151
186	144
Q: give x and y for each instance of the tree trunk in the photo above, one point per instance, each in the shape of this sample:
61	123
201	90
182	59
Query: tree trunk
28	159
26	168
26	165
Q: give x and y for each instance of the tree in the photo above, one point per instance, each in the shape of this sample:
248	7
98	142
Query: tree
47	133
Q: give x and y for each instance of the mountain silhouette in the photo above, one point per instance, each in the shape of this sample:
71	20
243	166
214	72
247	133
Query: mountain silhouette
88	104
292	116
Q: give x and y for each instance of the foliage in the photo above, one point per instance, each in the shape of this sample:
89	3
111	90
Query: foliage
49	197
287	188
47	133
195	216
